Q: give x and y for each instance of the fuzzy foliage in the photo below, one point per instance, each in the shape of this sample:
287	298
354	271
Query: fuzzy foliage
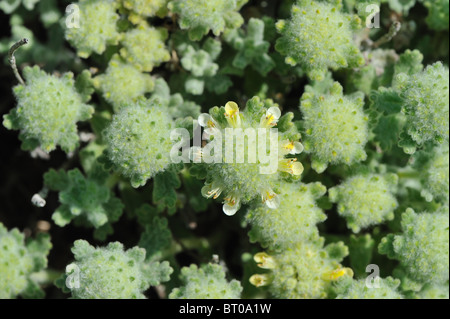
380	148
251	47
423	247
439	291
139	142
206	282
144	47
111	272
335	126
438	14
366	200
48	109
358	289
435	175
19	260
9	6
123	83
319	37
96	28
201	16
200	61
177	105
426	104
88	200
141	9
156	236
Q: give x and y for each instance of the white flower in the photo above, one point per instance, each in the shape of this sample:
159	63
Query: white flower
291	166
291	147
210	124
206	120
232	114
211	190
270	198
231	205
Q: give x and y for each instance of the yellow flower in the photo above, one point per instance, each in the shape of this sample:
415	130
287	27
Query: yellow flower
232	114
265	261
337	273
260	280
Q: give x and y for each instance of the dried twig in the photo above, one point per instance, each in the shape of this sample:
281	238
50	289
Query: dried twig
12	58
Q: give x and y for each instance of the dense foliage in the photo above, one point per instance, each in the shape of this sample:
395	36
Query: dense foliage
225	149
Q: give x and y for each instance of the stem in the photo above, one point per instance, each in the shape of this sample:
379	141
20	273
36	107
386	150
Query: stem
12	58
408	174
393	30
46	277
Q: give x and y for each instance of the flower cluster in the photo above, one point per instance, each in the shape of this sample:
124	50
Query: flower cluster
247	177
305	270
